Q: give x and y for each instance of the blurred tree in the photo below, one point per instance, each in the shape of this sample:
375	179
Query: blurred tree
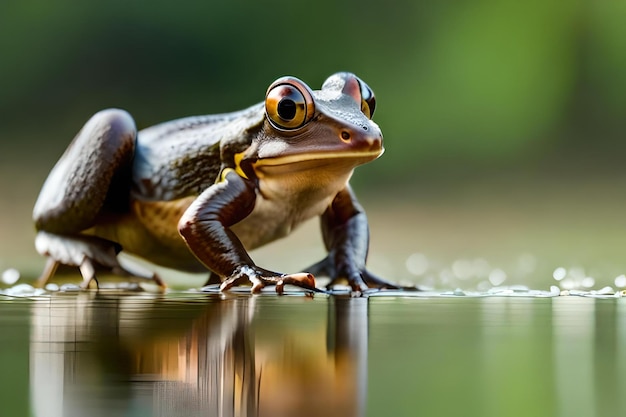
467	85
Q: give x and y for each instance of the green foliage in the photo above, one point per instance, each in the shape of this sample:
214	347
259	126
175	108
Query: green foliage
470	83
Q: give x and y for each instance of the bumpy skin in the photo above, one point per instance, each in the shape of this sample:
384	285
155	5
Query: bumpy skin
197	193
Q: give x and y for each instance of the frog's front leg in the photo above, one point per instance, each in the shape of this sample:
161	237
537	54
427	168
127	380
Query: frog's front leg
205	227
92	176
346	235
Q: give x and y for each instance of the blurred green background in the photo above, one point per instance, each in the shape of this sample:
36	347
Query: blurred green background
491	109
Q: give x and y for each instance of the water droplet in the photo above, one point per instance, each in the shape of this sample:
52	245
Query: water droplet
69	287
20	290
497	277
481	267
605	291
588	282
559	273
568	284
446	276
417	264
577	273
462	269
10	276
620	281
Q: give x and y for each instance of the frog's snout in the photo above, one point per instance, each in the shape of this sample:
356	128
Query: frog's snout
366	140
375	142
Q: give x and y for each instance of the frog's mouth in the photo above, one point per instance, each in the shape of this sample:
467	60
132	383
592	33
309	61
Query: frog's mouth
314	166
356	157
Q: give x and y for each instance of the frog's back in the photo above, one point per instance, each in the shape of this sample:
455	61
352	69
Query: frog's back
181	158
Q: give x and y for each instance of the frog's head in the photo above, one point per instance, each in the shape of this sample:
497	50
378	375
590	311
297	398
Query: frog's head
307	130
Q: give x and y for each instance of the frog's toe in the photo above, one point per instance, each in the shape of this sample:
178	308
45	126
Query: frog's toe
83	252
361	281
72	250
258	285
303	280
258	282
261	278
88	272
87	253
357	283
233	281
136	271
374	281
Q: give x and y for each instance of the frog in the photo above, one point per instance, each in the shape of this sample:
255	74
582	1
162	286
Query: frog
198	193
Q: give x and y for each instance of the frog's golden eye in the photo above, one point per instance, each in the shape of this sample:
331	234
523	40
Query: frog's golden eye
289	103
368	100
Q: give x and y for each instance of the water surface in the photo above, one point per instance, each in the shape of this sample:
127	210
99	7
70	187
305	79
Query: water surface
191	354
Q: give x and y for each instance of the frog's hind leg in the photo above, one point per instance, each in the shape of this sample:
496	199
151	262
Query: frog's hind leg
93	176
99	157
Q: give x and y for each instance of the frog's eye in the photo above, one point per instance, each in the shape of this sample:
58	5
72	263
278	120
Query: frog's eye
354	87
289	103
368	100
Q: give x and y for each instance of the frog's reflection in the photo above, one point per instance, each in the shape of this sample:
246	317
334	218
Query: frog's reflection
239	356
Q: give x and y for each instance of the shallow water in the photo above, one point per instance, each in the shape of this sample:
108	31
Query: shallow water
476	351
188	354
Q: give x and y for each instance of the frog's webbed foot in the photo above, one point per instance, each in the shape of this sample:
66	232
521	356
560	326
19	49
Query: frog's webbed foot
87	253
360	280
261	278
374	281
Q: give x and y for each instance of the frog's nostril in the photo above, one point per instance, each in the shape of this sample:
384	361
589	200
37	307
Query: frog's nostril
345	136
375	142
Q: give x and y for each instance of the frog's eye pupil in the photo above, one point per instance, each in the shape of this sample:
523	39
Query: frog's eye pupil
287	109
